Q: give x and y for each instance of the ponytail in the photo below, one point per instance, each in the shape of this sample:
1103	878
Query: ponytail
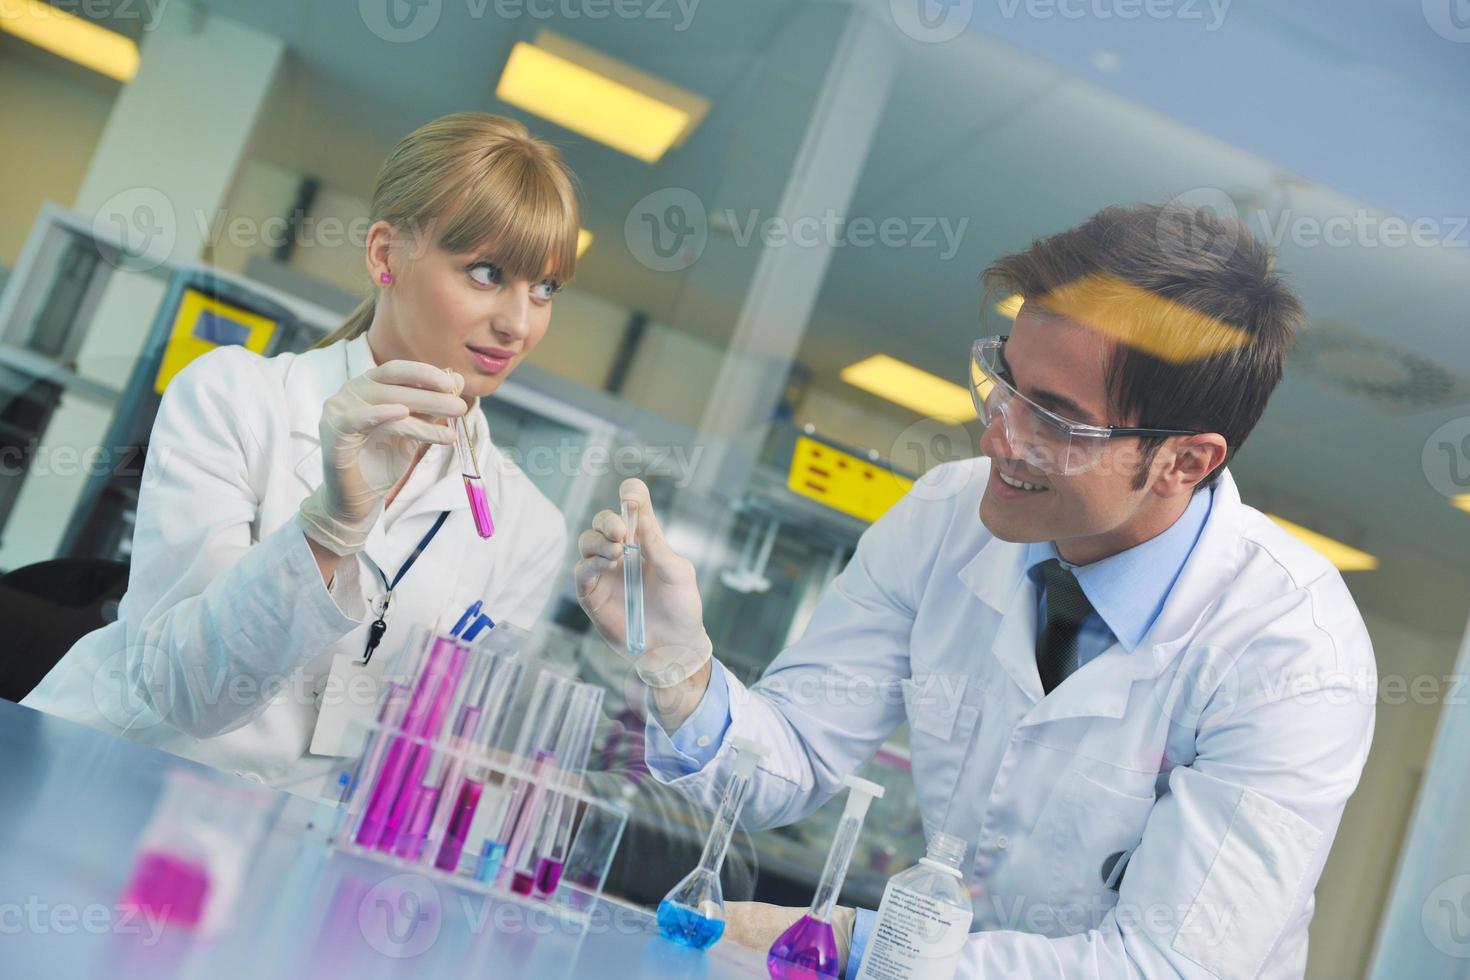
355	326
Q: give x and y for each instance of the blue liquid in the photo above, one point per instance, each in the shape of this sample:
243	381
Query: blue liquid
687	927
489	864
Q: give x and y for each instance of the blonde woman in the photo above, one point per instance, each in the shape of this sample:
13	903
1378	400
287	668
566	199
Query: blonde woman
286	498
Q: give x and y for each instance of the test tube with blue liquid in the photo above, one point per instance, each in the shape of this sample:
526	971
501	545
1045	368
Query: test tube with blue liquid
693	912
499	809
633	579
808	949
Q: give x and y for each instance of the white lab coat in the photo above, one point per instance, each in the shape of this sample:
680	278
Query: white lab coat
224	599
1223	748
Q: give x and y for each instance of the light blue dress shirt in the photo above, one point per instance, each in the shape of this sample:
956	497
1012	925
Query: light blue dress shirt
1127	591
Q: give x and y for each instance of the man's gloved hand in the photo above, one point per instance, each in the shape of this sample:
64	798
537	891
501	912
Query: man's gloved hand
758	925
370	430
677	644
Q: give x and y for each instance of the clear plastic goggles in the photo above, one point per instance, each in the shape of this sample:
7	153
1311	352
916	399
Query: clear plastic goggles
1040	437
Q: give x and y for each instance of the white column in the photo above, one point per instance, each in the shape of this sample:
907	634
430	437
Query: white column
168	155
783	286
163	167
788	277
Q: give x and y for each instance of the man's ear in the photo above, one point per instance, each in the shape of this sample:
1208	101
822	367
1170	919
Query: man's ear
1192	460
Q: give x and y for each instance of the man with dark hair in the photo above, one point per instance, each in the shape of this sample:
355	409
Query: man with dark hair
1142	703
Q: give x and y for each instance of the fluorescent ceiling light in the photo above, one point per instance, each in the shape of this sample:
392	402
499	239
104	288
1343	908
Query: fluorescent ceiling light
911	387
1345	557
1010	306
599	97
584	241
71	37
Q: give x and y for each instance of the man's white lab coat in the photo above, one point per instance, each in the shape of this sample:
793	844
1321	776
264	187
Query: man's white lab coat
1216	757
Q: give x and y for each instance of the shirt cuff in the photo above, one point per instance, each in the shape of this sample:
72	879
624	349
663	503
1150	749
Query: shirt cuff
696	742
862	928
346	590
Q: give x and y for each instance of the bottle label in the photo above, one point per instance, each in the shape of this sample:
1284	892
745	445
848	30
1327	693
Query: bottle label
915	937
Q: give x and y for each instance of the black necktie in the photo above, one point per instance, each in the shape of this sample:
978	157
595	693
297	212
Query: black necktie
1056	641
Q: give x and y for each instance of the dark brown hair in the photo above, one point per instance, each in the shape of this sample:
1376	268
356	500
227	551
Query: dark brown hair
1201	321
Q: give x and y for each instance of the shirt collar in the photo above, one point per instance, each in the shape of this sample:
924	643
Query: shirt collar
1128	589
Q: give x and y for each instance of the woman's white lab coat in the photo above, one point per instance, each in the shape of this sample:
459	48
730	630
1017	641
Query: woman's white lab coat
227	631
1217	756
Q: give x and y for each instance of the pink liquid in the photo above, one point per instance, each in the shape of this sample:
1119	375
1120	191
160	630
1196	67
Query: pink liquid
805	951
522	883
411	842
170	887
459	825
400	752
418	755
524	804
548	875
479	506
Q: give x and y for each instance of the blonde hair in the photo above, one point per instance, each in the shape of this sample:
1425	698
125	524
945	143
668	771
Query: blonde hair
499	189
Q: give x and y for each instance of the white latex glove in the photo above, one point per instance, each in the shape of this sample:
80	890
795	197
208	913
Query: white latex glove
677	645
757	925
370	431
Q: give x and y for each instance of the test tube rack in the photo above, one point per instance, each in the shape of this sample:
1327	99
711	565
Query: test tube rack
597	831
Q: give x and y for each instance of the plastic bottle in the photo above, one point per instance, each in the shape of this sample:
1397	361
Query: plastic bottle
923	920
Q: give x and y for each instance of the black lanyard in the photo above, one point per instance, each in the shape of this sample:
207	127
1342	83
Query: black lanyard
380	626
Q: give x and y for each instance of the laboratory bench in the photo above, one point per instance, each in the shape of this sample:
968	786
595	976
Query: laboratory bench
71	816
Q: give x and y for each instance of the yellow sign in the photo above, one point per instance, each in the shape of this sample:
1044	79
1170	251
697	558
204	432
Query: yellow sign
204	323
844	482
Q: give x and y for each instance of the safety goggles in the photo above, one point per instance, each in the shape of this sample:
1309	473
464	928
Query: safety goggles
1038	436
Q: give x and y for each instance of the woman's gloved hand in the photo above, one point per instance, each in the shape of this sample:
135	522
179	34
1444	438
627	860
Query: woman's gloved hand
677	645
370	430
758	926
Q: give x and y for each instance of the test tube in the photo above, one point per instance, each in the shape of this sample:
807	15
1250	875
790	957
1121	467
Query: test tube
474	487
392	704
426	797
420	750
389	776
538	855
500	805
633	580
693	912
808	949
452	824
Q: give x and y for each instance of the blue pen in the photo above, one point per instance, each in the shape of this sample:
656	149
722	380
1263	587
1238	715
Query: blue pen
479	624
469	614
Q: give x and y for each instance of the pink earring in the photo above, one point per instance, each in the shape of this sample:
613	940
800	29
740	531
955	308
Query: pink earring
385	278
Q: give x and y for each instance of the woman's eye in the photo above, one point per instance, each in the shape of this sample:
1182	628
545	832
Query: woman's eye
545	289
485	273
